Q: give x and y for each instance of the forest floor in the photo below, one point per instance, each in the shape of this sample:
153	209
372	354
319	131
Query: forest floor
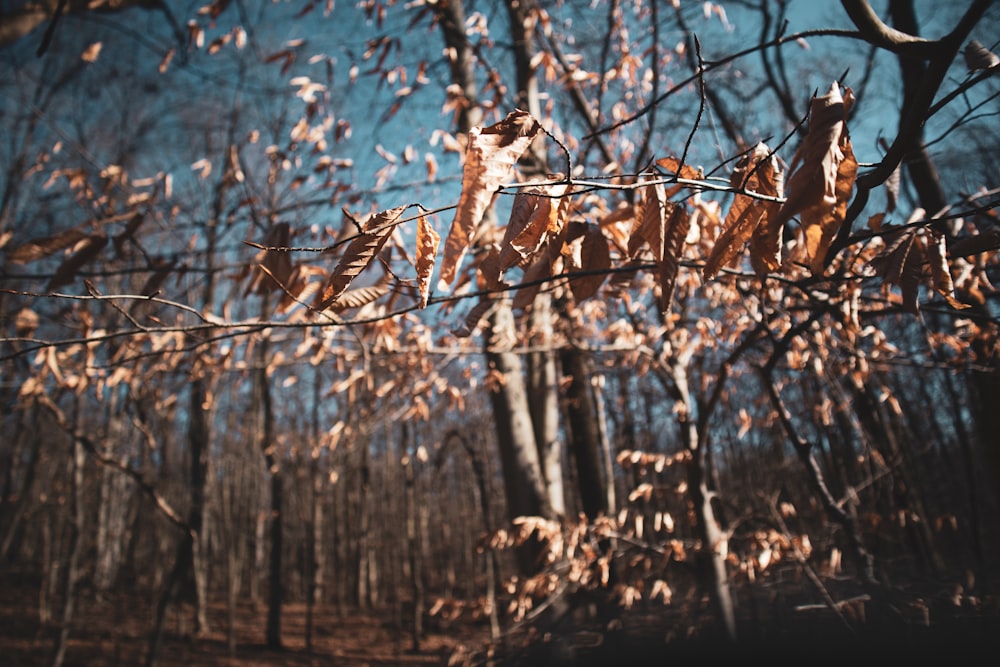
114	631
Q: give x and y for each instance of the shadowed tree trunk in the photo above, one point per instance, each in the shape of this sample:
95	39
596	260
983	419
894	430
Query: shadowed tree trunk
268	444
71	566
524	481
586	435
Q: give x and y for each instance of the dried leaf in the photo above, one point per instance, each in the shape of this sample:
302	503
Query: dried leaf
940	273
900	264
427	245
91	53
973	245
673	248
86	251
651	220
375	231
618	223
673	165
45	246
978	57
749	217
474	317
361	296
594	256
823	173
538	216
489	160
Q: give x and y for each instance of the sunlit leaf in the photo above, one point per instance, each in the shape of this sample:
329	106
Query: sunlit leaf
427	245
673	248
535	216
978	57
360	252
91	53
823	173
748	216
940	273
650	222
362	296
490	158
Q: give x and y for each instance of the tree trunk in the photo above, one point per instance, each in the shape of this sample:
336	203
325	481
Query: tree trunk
522	472
413	543
585	432
268	443
70	568
713	539
543	401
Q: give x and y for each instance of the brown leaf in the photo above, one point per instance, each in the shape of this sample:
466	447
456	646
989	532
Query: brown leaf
978	57
973	245
427	245
618	223
91	53
673	165
300	287
823	173
537	217
940	273
375	231
594	256
45	246
900	264
361	296
472	320
749	217
490	157
651	220
673	249
86	251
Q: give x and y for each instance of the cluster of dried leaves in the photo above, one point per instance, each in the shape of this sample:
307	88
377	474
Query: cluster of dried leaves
551	235
558	229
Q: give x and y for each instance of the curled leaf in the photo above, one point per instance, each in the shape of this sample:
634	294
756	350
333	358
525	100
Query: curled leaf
823	174
375	231
650	222
673	247
489	160
427	245
750	217
594	259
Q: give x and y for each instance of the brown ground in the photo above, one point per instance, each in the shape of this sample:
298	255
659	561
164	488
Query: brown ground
113	631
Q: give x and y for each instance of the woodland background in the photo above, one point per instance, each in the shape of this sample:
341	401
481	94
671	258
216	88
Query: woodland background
468	332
